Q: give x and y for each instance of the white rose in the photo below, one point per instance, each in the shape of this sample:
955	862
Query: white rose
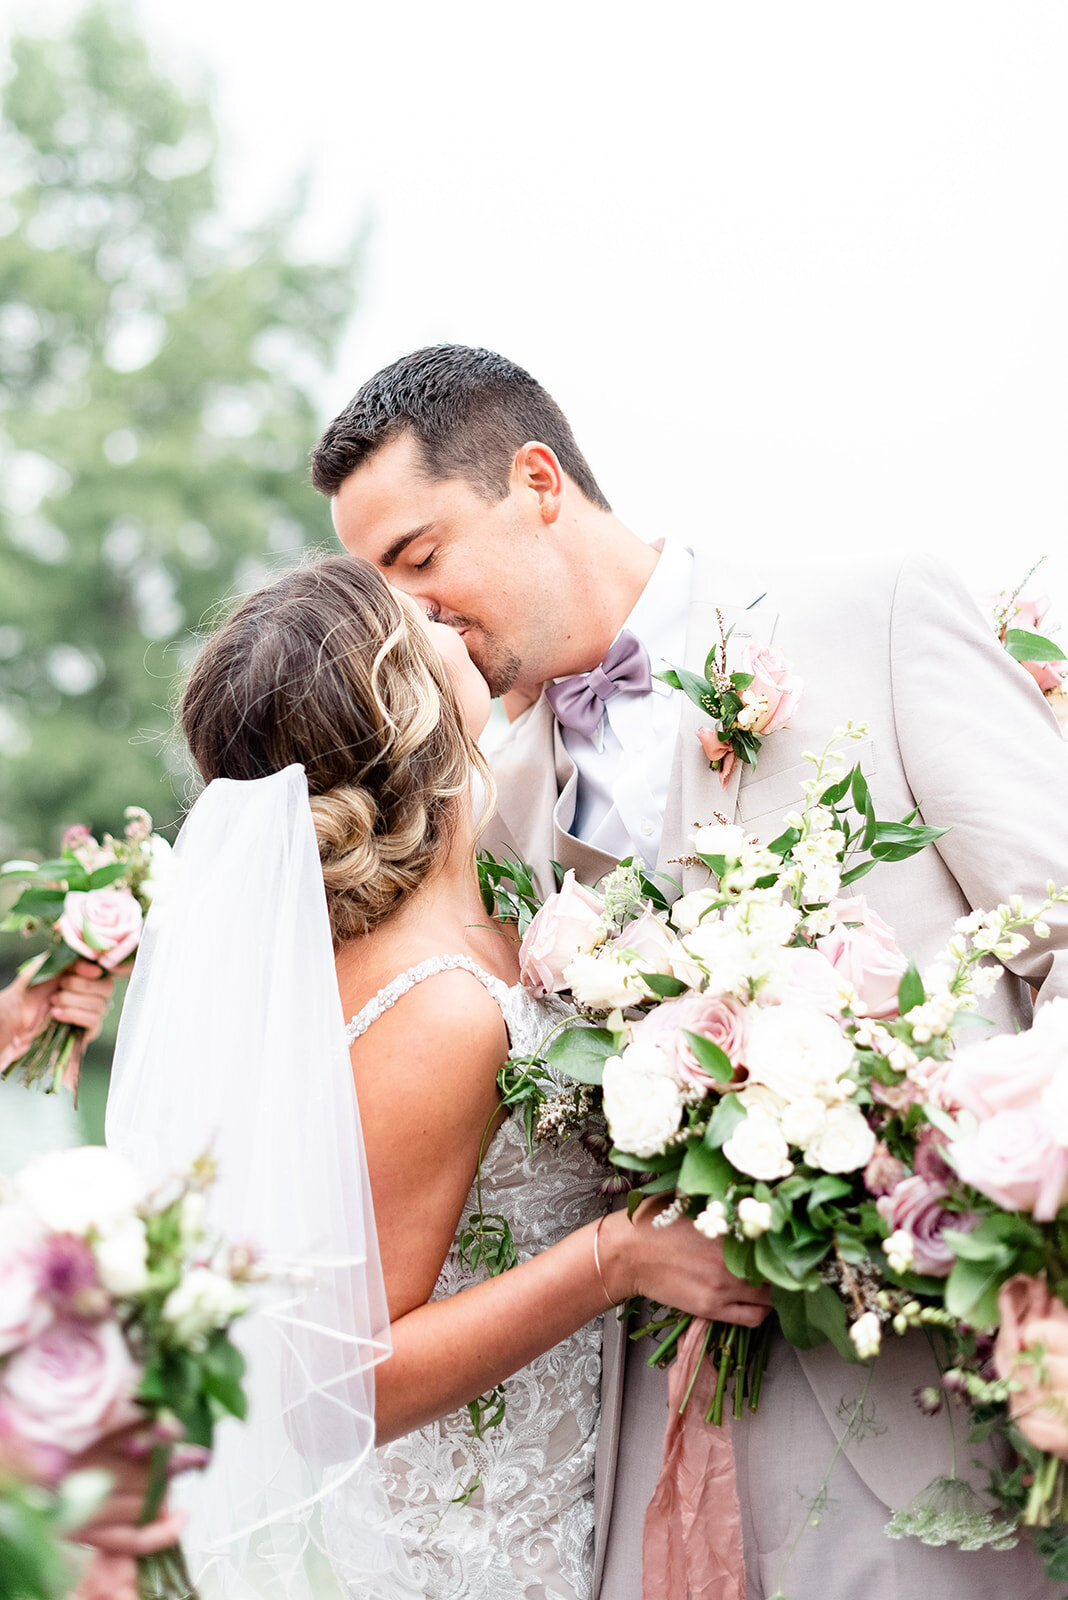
802	1121
844	1143
643	1109
757	1148
122	1258
754	1217
867	1335
83	1190
604	981
796	1050
712	1221
718	839
203	1301
724	955
688	909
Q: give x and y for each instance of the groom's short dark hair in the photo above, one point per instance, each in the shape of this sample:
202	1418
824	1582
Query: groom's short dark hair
470	411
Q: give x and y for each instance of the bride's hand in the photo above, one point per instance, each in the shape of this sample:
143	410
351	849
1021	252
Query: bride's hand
675	1266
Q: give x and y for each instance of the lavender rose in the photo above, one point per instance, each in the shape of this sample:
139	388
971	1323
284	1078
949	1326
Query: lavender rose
916	1207
70	1386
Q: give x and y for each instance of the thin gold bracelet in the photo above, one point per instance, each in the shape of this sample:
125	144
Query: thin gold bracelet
597	1262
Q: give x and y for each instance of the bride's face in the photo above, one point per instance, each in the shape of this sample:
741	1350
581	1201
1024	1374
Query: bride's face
470	687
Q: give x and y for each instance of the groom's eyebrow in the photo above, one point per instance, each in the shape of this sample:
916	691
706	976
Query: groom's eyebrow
399	545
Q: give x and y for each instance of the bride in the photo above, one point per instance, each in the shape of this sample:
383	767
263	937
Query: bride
330	671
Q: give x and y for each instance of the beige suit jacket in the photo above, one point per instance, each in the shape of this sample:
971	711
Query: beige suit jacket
955	728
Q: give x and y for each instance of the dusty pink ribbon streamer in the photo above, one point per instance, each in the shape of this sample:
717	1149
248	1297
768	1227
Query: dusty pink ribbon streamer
692	1544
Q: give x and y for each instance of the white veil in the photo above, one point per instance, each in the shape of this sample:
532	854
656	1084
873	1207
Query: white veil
232	1037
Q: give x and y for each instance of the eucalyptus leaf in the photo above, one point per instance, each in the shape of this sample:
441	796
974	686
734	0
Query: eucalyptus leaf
580	1053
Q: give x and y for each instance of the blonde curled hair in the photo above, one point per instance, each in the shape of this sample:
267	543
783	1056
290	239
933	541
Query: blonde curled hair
324	667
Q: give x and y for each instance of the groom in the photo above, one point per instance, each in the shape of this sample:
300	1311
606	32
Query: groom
458	476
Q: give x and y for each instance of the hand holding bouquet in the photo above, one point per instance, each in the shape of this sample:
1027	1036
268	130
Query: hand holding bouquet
115	1310
91	901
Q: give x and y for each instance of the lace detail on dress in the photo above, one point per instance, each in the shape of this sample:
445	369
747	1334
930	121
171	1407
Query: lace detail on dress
400	985
526	1533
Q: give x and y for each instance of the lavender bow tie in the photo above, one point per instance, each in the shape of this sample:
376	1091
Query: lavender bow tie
579	702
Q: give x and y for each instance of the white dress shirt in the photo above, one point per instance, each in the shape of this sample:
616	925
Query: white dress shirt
624	769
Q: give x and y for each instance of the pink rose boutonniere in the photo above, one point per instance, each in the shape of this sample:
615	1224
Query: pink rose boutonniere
747	704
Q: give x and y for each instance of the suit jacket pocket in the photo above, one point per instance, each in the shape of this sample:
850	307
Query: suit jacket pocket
781	791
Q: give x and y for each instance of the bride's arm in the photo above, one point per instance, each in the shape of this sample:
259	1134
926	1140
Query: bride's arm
426	1079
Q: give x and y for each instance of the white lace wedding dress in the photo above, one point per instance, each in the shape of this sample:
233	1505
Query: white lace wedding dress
526	1531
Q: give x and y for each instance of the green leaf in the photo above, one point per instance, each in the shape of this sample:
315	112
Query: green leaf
859	785
723	1121
103	877
710	1058
699	690
581	1053
706	1172
664	1184
1025	646
972	1293
738	1256
829	1187
857	872
837	791
666	987
59	959
716	864
773	1262
665	1163
785	842
43	903
910	991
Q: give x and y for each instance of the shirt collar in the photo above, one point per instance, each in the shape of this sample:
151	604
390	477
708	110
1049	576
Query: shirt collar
659	615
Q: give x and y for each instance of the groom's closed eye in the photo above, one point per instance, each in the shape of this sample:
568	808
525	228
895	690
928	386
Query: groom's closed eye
393	552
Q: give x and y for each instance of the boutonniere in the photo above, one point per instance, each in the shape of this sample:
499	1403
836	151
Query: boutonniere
757	699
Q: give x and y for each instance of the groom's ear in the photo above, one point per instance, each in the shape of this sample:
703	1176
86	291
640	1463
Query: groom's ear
537	471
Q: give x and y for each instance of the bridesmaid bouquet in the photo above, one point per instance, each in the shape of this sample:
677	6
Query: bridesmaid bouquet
1017	623
91	901
33	1522
115	1313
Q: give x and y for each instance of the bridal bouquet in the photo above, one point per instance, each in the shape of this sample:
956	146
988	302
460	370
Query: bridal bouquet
762	1054
115	1311
91	901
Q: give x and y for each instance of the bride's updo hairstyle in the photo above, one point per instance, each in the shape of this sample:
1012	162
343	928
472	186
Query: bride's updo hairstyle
325	668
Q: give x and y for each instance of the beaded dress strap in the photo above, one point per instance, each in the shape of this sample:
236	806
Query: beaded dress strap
391	993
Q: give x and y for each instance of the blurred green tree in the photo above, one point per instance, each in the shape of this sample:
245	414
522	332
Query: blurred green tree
157	374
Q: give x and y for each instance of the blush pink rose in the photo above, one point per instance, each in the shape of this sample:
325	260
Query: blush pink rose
808	977
916	1207
72	1385
1030	1316
720	1020
24	1308
1013	1159
1007	1072
774	682
649	941
569	924
103	924
862	949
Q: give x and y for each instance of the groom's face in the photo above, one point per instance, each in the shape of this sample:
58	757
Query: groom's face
480	566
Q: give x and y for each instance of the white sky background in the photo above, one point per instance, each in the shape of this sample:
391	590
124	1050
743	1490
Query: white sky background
797	270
